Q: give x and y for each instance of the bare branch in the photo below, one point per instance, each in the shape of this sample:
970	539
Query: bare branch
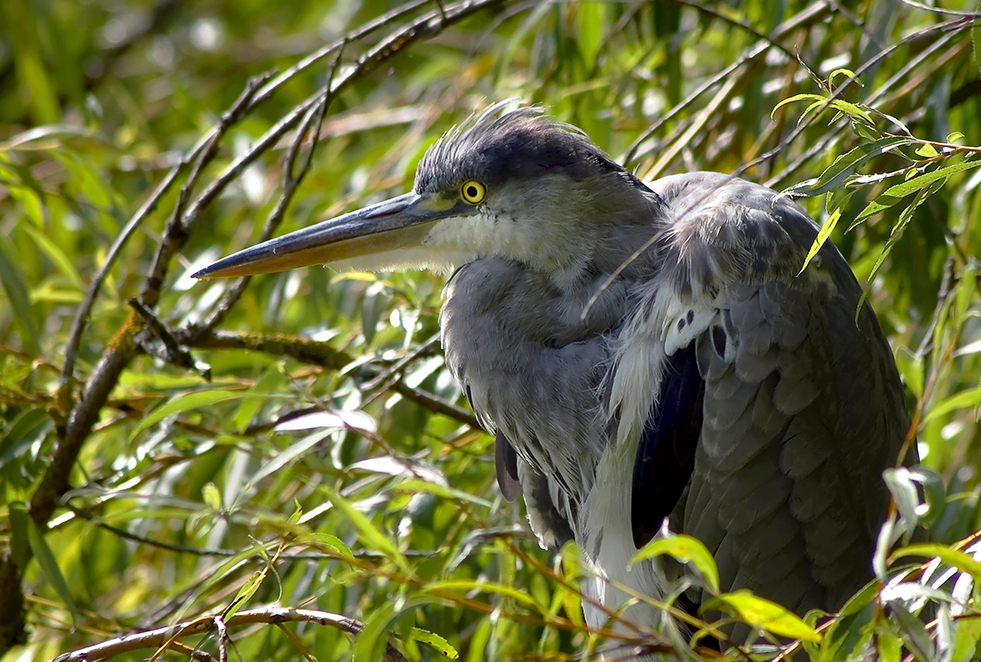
167	637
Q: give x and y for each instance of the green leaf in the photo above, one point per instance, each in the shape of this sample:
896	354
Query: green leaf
685	549
468	586
14	281
435	641
57	256
212	497
371	641
330	542
889	645
854	110
844	636
920	182
846	165
927	151
911	367
969	398
186	401
19	532
414	486
976	38
245	593
823	235
50	567
591	19
271	379
914	632
922	194
293	452
765	615
795	98
967	640
27	429
952	557
367	532
848	73
965	294
878	205
32	202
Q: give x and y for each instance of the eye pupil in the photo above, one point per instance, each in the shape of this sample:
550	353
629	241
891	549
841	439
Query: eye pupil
473	192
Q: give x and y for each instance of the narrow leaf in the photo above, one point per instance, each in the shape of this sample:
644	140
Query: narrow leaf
435	641
766	615
922	181
469	585
50	567
796	97
685	549
14	282
287	456
186	401
369	534
952	557
847	164
56	255
823	235
970	398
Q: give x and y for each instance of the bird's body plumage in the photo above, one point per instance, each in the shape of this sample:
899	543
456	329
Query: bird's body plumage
650	351
783	482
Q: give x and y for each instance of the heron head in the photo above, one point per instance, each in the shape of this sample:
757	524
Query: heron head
513	184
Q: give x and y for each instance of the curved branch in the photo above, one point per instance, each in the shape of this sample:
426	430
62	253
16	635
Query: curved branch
168	638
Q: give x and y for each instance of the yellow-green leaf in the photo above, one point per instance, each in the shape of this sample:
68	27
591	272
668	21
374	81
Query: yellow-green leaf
435	641
969	398
186	401
765	615
952	557
685	549
369	534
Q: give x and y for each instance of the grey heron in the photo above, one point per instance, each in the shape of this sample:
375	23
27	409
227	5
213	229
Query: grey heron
642	352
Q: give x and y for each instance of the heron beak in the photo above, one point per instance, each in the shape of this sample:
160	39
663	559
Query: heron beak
390	226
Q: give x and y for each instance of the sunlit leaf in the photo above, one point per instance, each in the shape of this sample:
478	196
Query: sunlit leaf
822	237
967	399
438	643
467	586
212	497
370	535
952	557
847	164
188	401
765	615
921	182
911	367
685	549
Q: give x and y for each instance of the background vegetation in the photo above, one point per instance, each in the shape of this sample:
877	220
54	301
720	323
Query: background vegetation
209	453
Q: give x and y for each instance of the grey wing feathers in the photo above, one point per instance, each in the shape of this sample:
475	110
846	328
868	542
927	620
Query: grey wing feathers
506	463
787	488
550	512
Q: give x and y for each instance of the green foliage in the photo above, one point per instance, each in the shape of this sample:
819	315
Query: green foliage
329	480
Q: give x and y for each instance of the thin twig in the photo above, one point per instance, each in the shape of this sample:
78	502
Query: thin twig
166	637
290	185
813	13
82	315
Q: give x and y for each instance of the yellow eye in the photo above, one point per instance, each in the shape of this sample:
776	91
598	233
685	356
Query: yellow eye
473	191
